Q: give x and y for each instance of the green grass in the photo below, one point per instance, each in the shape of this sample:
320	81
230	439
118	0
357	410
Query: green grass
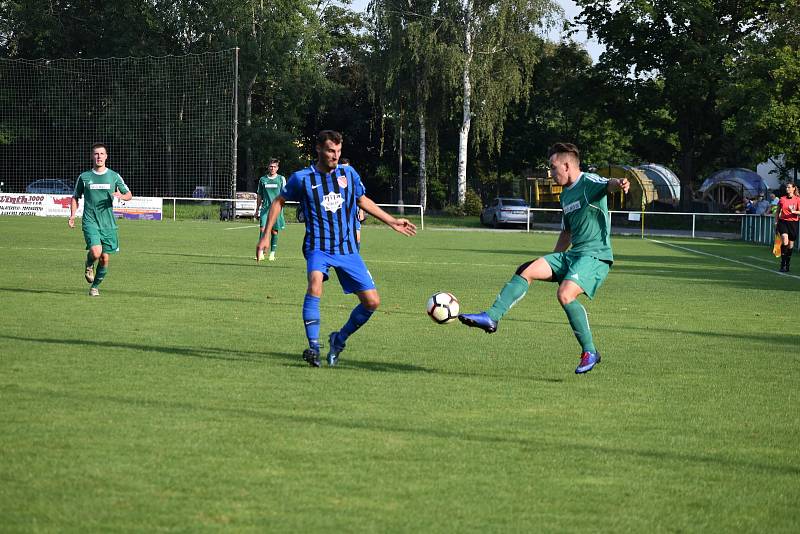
177	401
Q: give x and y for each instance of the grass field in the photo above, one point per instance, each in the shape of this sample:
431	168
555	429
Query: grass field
177	400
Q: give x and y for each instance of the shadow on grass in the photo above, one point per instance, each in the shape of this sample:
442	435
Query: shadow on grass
790	340
210	353
292	359
36	291
534	445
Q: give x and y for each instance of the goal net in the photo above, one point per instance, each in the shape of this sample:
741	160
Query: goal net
169	122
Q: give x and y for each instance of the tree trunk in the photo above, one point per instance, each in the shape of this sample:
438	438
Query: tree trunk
687	180
463	133
423	179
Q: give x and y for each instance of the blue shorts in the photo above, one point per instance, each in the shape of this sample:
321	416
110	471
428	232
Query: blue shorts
350	268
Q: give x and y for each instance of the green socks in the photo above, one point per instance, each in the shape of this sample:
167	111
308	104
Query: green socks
511	293
517	287
89	260
99	275
273	243
579	322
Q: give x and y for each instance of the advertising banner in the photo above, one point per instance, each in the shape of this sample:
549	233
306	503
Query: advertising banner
149	208
41	205
35	205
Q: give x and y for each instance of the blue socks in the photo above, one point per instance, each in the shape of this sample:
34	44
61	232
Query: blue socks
358	317
311	320
311	316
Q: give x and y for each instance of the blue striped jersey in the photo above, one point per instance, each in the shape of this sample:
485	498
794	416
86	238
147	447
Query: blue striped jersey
329	203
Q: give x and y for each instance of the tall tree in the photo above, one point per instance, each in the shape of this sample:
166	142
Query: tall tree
764	98
499	50
689	47
413	63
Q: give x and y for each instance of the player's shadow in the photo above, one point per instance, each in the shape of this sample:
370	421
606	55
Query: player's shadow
36	291
205	352
790	340
384	367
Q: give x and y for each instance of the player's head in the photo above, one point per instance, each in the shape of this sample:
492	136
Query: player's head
565	162
344	161
329	149
272	167
791	189
99	155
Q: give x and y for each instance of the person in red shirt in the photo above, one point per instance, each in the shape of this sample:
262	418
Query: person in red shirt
786	218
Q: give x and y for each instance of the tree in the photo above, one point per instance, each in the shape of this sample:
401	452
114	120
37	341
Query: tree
499	50
413	65
688	46
764	99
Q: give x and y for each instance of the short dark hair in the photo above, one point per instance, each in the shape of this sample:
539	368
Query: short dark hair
329	135
273	160
344	161
564	148
99	145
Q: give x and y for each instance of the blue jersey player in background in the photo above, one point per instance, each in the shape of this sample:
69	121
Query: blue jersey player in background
330	196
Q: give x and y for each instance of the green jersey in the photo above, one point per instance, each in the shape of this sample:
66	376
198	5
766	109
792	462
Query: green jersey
268	189
98	197
586	216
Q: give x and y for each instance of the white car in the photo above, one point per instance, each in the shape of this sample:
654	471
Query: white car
504	210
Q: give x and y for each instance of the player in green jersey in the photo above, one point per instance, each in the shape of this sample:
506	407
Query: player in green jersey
269	187
581	258
98	187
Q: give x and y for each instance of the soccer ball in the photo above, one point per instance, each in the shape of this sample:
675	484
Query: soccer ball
443	307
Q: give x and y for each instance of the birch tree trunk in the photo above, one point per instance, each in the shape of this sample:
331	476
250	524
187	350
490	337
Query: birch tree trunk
423	179
463	133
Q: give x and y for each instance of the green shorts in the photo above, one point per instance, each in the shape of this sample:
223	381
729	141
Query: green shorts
280	223
107	238
586	271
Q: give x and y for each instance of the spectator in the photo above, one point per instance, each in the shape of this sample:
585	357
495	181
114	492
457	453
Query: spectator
773	203
761	206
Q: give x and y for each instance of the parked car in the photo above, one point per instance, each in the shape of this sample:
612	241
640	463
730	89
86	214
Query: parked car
503	210
49	186
244	206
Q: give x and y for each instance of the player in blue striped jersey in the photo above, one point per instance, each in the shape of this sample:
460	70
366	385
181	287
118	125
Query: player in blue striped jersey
330	196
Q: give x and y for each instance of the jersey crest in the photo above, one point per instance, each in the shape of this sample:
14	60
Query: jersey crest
332	202
342	181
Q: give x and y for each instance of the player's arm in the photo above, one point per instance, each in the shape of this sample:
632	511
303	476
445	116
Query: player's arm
259	200
123	196
274	211
73	208
73	205
404	226
563	242
616	184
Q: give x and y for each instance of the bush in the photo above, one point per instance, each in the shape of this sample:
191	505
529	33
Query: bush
472	203
472	206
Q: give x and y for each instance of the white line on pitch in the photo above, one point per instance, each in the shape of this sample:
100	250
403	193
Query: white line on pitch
762	260
724	258
242	227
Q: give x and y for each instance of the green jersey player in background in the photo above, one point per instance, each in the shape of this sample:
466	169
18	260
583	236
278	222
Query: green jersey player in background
269	187
582	256
98	187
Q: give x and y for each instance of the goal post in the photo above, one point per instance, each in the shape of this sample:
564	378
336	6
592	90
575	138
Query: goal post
170	123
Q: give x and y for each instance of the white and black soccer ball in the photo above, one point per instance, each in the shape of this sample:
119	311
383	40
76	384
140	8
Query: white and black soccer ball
443	307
